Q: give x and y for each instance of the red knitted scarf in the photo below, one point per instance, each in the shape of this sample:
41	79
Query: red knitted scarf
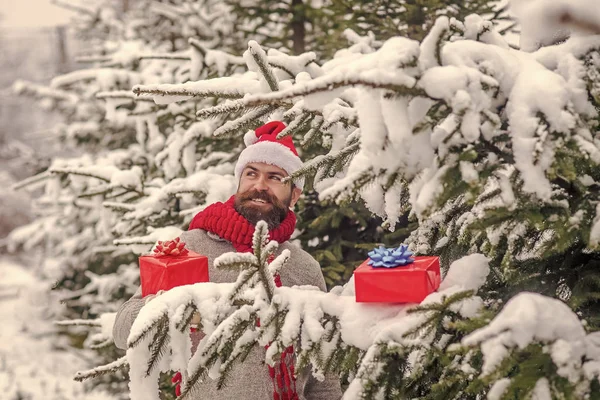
223	220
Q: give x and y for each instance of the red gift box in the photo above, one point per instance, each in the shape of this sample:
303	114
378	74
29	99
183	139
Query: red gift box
164	272
410	283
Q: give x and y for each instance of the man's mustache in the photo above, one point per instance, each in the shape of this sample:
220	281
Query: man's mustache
255	194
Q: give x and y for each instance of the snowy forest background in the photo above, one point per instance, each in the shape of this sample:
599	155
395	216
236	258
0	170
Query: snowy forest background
478	136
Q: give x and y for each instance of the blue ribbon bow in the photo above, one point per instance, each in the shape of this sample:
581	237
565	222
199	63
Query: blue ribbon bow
390	258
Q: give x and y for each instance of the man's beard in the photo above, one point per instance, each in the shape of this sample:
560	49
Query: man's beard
273	216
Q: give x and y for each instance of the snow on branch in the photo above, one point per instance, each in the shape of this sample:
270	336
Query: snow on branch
258	62
540	318
110	368
302	316
251	120
79	322
120	94
226	88
213	186
28	88
32	180
77	8
94	74
326	162
400	85
544	23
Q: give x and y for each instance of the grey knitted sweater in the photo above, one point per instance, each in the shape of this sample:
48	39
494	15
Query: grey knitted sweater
249	380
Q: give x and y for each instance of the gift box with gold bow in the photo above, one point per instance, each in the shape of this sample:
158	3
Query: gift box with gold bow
171	265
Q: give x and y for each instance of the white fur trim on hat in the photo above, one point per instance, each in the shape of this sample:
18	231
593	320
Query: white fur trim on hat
270	153
250	138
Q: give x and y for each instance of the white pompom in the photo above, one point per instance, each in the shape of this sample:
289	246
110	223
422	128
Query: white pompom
250	138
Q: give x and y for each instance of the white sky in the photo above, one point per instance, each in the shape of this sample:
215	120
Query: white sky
31	14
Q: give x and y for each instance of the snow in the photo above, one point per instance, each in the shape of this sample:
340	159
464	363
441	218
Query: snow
468	172
227	87
546	21
128	179
35	361
463	84
498	389
526	318
106	77
361	324
595	231
541	391
547	85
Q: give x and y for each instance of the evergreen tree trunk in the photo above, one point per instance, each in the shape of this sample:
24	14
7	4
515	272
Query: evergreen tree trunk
298	28
62	56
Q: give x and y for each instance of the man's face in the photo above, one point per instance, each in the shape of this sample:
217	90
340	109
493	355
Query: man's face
262	195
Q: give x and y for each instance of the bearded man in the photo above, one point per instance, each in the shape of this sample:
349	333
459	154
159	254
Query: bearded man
225	227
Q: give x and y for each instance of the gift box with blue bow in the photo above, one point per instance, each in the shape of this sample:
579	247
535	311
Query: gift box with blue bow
394	275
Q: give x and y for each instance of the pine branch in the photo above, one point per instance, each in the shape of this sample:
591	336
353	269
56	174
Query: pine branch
105	61
67	171
282	67
78	9
165	56
322	162
31	180
316	125
437	34
275	318
178	91
39	91
296	125
158	344
242	261
118	206
261	234
310	137
351	189
245	277
196	44
260	58
444	305
188	314
103	344
278	263
248	121
230	356
267	251
78	322
112	367
149	111
171	12
97	192
92	59
188	389
135	340
224	108
219	349
326	85
120	94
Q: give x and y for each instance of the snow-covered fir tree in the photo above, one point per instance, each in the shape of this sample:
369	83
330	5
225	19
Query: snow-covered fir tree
493	151
86	231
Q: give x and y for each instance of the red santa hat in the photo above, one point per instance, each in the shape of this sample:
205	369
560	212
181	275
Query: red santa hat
263	146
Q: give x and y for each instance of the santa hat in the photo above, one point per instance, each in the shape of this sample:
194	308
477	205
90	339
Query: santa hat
263	146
